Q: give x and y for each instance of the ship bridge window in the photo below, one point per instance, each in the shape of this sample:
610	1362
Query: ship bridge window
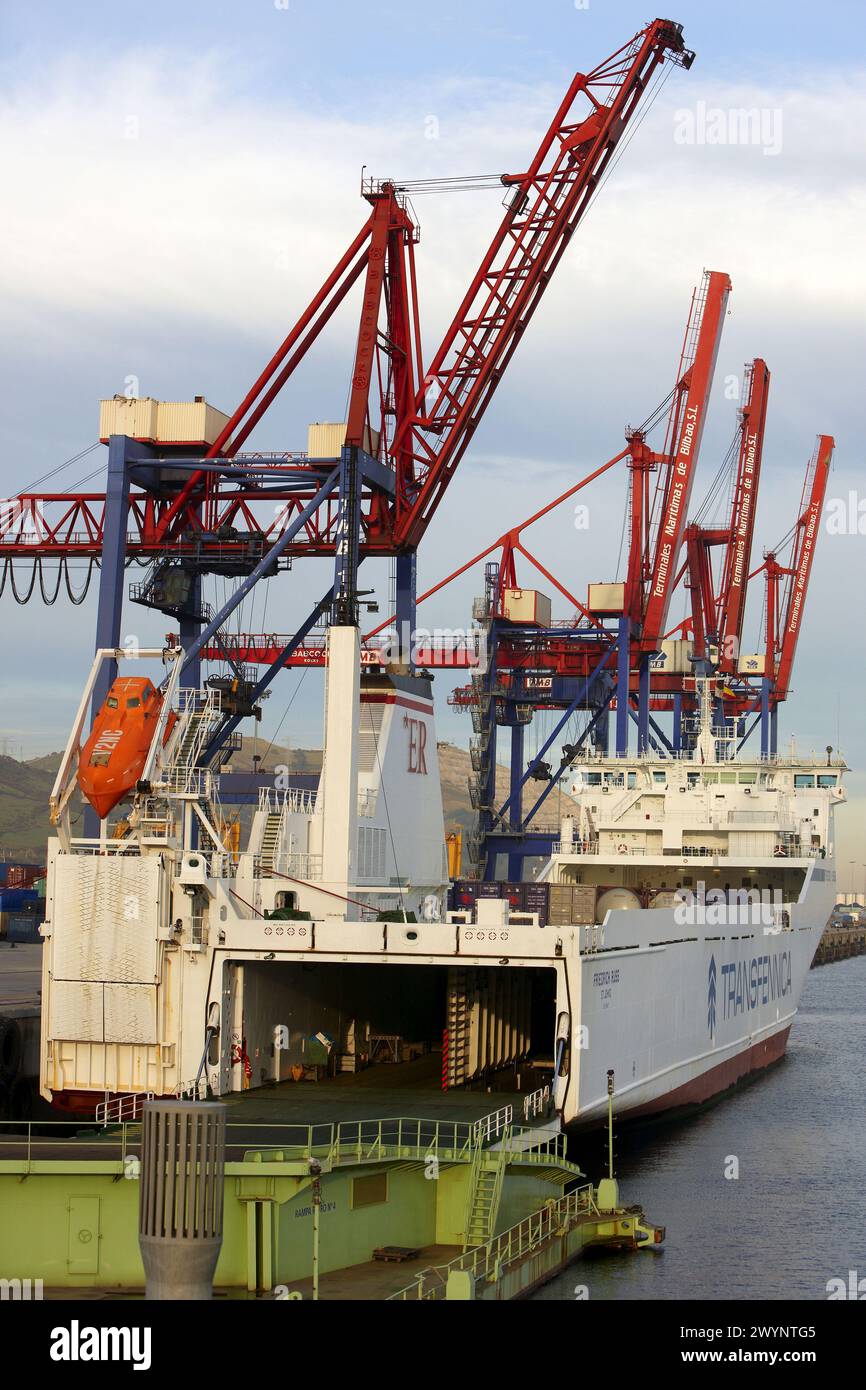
825	780
801	780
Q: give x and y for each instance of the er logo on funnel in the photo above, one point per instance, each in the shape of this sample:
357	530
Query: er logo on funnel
711	997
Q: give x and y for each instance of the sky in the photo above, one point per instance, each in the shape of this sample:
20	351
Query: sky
179	179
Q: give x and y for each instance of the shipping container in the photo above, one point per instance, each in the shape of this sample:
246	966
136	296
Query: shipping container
464	893
572	904
5	867
325	439
23	928
751	664
536	898
675	656
526	606
606	598
131	415
194	423
559	904
189	422
583	904
13	899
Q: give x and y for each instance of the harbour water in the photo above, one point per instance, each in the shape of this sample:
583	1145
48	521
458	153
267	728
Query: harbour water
793	1219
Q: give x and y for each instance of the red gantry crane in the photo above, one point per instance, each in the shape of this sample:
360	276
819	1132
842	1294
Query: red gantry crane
679	459
786	600
412	426
717	620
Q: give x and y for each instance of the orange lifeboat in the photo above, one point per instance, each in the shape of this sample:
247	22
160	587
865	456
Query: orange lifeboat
113	757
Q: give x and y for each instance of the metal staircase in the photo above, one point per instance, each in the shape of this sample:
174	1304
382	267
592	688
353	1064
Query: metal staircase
485	1192
270	841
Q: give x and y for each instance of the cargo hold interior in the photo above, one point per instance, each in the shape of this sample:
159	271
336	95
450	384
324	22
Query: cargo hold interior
436	1026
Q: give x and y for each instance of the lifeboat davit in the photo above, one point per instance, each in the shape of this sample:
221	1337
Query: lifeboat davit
113	758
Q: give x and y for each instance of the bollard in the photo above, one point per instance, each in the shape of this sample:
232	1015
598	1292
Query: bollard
180	1215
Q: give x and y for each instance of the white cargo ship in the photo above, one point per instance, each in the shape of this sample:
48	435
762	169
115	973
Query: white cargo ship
686	899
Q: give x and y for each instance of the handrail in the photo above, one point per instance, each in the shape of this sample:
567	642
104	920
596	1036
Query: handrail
486	1261
350	1141
490	1126
535	1102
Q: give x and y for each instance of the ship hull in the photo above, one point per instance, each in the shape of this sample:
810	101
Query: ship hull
679	1023
710	1086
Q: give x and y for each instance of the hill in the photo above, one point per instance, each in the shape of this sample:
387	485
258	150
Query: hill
26	786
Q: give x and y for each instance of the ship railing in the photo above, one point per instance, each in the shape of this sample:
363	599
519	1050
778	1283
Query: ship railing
87	845
536	1103
114	1109
489	1260
293	800
783	848
306	866
352	1142
588	758
494	1124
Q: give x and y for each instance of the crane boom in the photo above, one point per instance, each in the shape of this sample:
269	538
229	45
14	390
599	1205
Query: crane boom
738	552
549	200
719	620
803	555
696	378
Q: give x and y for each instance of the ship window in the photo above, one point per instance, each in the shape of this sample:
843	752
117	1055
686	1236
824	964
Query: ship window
593	779
801	780
826	781
111	702
632	779
727	775
660	778
748	776
100	760
133	702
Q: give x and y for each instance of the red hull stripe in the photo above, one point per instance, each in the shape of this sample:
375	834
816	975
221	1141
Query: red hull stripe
718	1079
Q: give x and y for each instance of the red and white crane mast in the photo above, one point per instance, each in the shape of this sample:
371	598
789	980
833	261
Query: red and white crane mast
685	431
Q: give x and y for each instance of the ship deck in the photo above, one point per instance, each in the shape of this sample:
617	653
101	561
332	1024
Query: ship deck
411	1089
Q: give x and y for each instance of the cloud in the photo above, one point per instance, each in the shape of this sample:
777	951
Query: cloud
170	220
